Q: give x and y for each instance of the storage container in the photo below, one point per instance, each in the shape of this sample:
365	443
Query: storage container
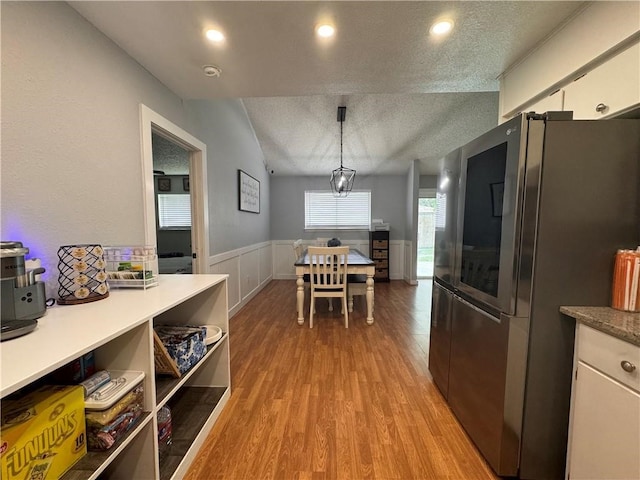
185	346
114	408
131	267
164	432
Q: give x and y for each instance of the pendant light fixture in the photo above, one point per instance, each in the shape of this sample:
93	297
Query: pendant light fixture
342	178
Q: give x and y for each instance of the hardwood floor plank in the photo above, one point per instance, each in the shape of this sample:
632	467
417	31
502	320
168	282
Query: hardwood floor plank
334	403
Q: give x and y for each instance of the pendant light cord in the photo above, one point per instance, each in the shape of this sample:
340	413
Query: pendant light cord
341	122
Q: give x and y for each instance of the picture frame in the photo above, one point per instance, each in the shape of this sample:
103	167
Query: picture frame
248	193
497	198
164	184
185	184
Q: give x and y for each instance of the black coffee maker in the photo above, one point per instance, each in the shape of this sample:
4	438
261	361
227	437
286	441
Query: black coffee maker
23	297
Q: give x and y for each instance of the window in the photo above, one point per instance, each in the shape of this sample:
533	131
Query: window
174	210
323	211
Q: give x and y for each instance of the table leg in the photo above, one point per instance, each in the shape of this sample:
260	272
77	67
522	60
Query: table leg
369	299
300	299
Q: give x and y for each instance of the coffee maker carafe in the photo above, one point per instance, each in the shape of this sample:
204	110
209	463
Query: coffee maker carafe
23	297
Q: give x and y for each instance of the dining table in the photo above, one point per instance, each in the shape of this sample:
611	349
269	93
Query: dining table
357	264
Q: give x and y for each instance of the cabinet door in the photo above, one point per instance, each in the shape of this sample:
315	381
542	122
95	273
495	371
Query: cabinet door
605	437
612	87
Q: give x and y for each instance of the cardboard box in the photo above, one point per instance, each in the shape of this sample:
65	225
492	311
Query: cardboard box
42	434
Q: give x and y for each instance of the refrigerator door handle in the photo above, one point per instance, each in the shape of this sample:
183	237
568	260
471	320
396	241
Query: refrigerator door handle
478	309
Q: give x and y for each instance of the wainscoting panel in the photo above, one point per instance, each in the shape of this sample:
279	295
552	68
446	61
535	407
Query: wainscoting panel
283	258
266	262
249	270
230	266
408	262
396	263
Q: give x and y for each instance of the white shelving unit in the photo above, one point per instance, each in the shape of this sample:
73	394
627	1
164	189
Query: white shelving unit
119	330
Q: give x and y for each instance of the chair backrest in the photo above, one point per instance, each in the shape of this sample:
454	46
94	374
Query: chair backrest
298	248
328	267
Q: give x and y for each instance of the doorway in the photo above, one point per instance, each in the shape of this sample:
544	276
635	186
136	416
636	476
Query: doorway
426	232
173	205
190	185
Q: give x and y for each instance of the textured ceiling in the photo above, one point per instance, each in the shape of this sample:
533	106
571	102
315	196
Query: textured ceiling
408	96
169	158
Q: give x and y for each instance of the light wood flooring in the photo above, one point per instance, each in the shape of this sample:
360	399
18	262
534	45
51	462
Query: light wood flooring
335	403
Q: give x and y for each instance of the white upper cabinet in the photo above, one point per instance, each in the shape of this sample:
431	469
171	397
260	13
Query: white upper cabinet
608	89
593	38
550	103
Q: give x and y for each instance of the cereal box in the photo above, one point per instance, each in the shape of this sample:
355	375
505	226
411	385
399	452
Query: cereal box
42	433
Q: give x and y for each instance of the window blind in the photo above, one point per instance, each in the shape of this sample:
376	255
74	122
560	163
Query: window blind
174	210
441	210
323	211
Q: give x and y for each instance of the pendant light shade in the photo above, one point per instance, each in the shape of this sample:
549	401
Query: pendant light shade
342	178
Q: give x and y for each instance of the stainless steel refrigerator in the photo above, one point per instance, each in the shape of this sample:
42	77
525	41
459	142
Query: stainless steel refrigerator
543	203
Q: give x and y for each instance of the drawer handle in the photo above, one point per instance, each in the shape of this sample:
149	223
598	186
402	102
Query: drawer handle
627	366
601	107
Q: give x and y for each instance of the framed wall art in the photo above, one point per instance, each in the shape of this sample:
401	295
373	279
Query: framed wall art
164	184
248	193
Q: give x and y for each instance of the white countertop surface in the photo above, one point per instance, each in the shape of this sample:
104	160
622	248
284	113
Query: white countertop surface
66	332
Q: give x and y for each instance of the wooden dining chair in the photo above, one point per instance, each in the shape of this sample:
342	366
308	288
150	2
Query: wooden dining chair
298	248
357	285
328	275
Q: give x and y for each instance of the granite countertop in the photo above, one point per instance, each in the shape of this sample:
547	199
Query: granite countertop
624	325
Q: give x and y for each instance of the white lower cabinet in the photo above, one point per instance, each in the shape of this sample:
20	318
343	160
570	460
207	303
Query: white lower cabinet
119	329
604	437
608	89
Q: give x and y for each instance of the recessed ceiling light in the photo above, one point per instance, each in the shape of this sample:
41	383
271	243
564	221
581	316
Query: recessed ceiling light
215	35
212	71
325	30
441	27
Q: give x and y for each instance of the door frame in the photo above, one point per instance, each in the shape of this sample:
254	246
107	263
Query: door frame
423	193
152	122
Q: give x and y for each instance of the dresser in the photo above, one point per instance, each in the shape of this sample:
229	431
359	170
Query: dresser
379	253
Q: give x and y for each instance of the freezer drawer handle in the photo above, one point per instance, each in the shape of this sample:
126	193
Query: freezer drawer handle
627	366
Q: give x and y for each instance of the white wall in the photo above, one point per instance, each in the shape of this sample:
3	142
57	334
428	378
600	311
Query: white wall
411	236
231	145
287	205
71	168
71	148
